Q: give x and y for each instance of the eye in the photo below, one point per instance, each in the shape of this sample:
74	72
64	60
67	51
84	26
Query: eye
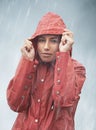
41	40
54	40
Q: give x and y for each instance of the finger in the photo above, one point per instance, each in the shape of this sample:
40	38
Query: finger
28	46
27	55
69	39
63	40
30	39
25	49
24	53
27	42
68	32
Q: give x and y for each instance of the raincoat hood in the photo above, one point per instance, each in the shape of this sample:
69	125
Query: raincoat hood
50	23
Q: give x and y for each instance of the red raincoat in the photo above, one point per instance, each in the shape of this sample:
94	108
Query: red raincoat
46	94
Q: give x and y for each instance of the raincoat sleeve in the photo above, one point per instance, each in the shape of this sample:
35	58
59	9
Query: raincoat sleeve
68	80
18	91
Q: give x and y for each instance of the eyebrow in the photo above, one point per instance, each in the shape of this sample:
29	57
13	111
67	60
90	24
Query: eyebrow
52	37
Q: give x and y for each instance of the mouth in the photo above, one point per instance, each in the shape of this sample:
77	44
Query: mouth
46	54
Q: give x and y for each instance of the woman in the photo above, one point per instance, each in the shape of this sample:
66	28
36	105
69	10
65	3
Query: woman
45	89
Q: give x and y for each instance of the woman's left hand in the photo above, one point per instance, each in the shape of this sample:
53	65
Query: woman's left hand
66	41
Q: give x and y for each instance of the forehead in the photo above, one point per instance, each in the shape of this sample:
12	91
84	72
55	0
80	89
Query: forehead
49	36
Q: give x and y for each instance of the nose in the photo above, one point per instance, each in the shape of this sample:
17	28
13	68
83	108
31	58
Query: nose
46	45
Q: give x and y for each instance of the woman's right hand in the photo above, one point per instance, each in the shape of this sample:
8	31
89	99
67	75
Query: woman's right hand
28	51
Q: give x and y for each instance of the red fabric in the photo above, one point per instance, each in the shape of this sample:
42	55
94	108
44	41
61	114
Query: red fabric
46	95
50	23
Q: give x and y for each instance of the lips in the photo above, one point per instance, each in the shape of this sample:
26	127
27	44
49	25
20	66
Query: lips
46	54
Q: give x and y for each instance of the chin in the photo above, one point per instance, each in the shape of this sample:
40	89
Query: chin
47	61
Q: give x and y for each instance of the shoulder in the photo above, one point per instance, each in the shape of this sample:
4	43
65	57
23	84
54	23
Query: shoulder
79	67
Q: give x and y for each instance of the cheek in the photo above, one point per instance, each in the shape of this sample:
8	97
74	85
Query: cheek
56	48
39	47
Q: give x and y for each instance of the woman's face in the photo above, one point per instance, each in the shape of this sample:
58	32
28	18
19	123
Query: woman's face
47	46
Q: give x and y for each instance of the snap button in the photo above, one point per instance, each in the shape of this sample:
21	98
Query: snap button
42	80
29	76
57	92
22	97
58	57
34	66
25	87
58	69
52	107
36	120
58	81
38	100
